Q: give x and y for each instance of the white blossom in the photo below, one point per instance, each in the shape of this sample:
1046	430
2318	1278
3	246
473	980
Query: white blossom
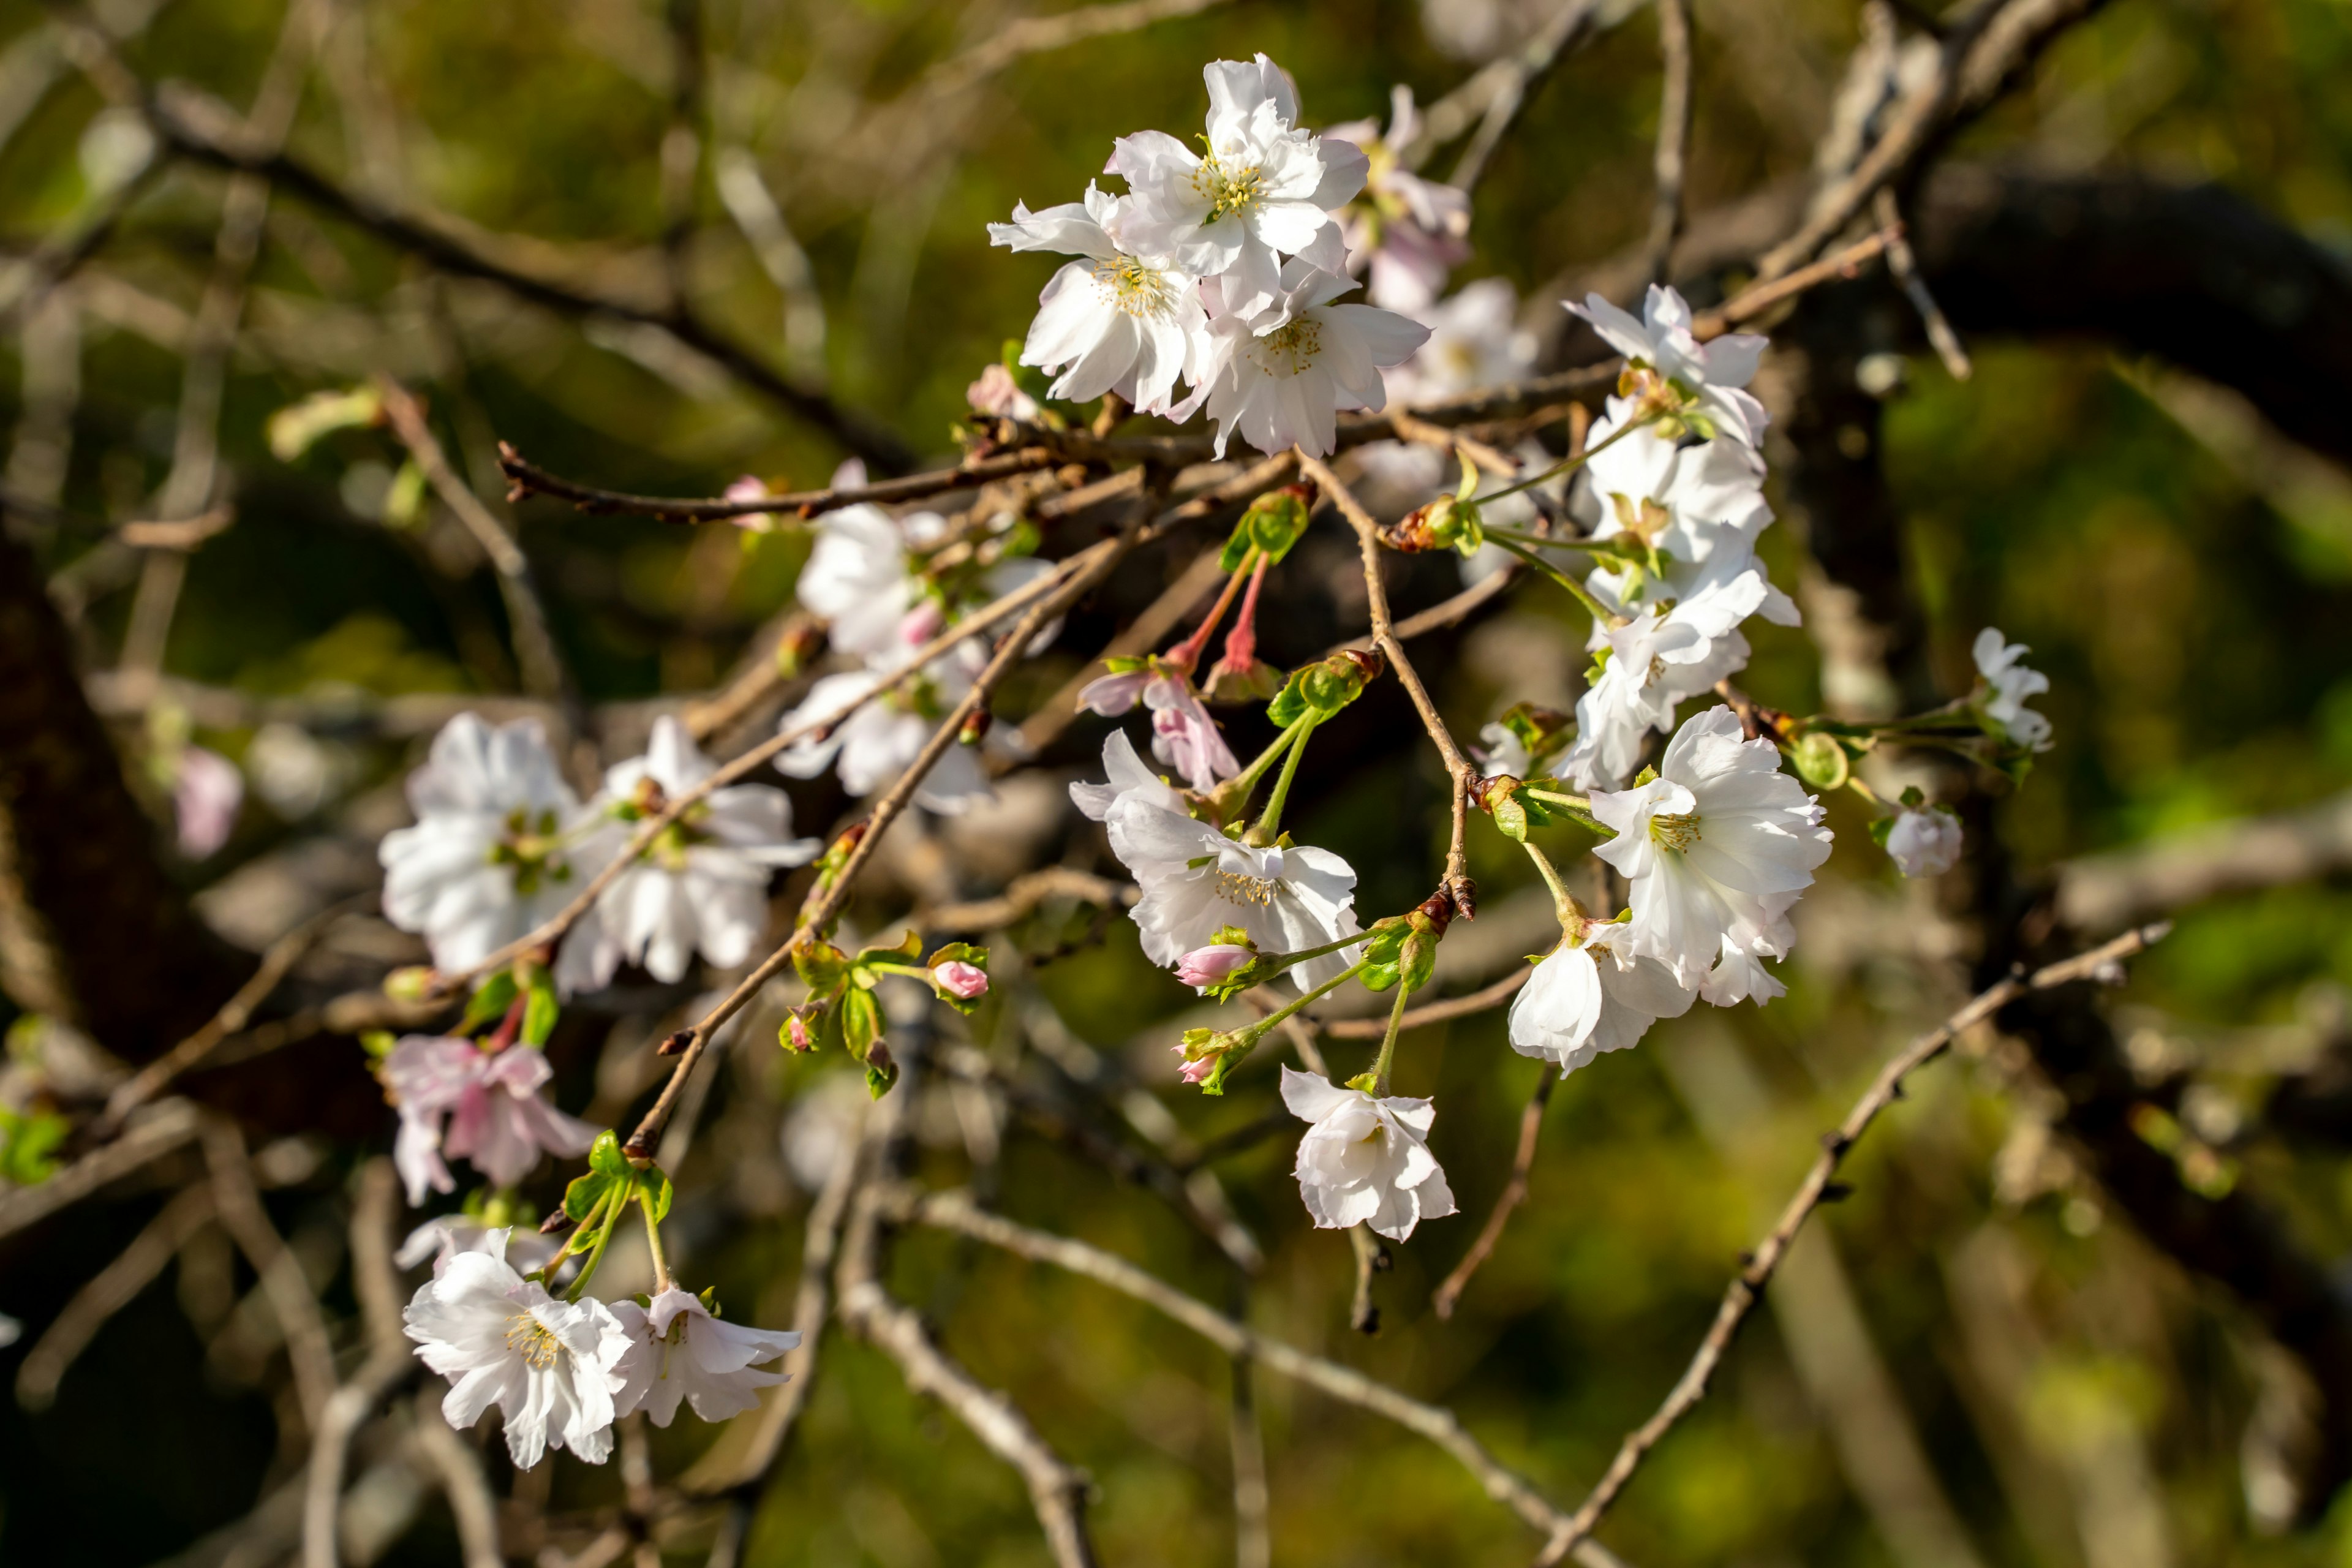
1684	635
1195	879
1670	493
2012	684
444	1237
1593	993
1717	847
206	790
1115	321
1714	373
702	885
1280	377
678	1351
1925	841
1407	231
1124	774
1262	189
455	1098
1475	343
1183	733
1365	1160
488	859
856	581
880	740
502	1341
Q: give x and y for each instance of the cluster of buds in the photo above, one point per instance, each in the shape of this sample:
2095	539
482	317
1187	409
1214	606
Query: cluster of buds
1325	687
842	1010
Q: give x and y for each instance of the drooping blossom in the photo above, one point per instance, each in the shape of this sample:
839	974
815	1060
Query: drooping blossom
1717	847
1711	375
678	1351
1183	735
1205	966
2011	683
1365	1160
1260	189
1682	636
489	858
1593	993
444	1236
1925	841
1280	377
206	790
1115	321
456	1099
503	1343
882	738
702	884
1474	341
1124	774
1407	231
1195	879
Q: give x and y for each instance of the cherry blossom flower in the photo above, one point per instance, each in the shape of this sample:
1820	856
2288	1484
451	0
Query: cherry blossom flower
1706	377
1669	494
1263	189
1410	232
1281	376
444	1237
489	859
1195	881
1183	735
455	1098
2012	684
1717	847
750	487
1593	993
997	392
1474	341
1925	841
503	1341
1125	774
702	885
1114	323
1205	966
678	1351
856	581
881	740
1365	1160
206	790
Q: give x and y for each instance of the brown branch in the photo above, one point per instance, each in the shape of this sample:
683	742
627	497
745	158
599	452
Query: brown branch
2103	964
150	1138
1493	98
1670	164
528	479
107	1291
1903	268
1515	1191
388	1361
2100	892
1023	896
308	1351
955	1212
1477	1001
460	1469
1037	35
893	801
1460	772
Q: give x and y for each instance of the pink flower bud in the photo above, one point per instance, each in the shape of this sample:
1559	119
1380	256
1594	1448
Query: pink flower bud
750	487
957	978
799	1033
922	623
1195	1072
1208	965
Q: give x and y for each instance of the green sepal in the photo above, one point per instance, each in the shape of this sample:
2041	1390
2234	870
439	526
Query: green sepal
490	1002
1379	976
1881	827
879	1076
710	1300
959	952
654	1192
1127	663
1647	775
377	1043
1364	1082
1912	796
860	1021
1821	761
820	965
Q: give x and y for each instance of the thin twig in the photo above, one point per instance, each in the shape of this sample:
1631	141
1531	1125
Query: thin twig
1023	896
527	478
1905	267
164	1127
308	1349
388	1361
107	1291
1479	1001
1670	165
1515	1193
955	1212
460	1469
2102	963
1461	773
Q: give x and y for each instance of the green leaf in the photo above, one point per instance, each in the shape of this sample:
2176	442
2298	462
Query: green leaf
1237	547
861	1021
604	1155
907	949
27	1145
654	1192
489	1003
820	966
1378	976
880	1076
539	1014
1289	704
1822	762
581	1198
1880	827
1510	816
1419	960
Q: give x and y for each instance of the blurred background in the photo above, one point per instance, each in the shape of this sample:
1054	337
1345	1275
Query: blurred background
2036	1333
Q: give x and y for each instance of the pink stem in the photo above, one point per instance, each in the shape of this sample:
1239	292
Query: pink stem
1241	643
1188	651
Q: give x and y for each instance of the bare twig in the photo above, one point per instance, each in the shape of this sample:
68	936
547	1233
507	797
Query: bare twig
162	1130
1037	35
388	1361
955	1212
2102	963
1515	1193
1460	772
1477	1001
1024	895
460	1469
107	1291
1493	98
1905	267
1670	165
527	478
308	1349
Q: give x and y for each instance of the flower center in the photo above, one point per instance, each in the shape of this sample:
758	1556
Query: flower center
532	846
530	1339
1289	349
1674	831
1227	191
1136	289
1236	888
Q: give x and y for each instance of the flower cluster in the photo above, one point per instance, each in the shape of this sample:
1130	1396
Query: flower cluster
1219	270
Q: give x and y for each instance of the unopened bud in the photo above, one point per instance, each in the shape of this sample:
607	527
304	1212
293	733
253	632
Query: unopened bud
1212	965
975	729
957	978
676	1044
554	1222
413	983
798	647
